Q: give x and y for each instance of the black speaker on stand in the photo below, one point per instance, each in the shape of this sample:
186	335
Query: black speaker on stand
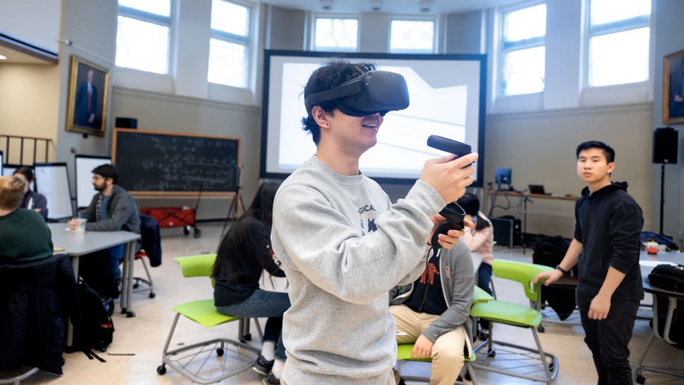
665	144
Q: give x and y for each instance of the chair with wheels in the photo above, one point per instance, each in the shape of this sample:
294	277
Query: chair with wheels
518	361
150	239
193	360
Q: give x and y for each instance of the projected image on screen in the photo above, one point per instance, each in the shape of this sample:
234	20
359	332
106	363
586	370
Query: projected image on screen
445	100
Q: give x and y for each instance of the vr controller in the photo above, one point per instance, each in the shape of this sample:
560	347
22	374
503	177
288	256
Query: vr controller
449	145
454	215
452	212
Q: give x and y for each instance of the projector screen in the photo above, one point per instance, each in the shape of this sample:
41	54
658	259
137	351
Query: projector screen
447	94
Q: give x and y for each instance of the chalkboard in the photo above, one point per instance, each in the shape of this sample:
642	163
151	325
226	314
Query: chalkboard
174	163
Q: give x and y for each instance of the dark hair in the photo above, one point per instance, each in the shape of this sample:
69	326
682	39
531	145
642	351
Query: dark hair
27	172
107	171
608	151
471	206
234	249
328	76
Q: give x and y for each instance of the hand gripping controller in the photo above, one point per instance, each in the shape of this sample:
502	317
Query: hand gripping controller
452	212
454	215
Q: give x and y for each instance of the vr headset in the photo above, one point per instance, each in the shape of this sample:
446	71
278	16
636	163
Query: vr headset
372	92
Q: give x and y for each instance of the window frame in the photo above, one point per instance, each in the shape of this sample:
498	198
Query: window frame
166	21
247	41
319	15
503	48
607	29
435	33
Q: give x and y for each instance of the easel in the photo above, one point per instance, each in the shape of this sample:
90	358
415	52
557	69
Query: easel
233	212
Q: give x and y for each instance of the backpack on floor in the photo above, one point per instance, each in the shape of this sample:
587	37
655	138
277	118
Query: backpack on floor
96	328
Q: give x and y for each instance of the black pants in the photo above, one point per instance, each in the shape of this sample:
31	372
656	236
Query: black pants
608	339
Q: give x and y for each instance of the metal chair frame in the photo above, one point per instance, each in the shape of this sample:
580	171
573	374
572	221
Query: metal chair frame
189	360
513	314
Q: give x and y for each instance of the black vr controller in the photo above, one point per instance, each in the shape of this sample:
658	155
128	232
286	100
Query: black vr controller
452	212
454	215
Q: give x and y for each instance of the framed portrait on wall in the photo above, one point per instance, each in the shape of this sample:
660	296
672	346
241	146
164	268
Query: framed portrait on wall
673	90
87	100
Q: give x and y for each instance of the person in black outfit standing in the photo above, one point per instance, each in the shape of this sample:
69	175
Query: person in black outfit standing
606	243
245	252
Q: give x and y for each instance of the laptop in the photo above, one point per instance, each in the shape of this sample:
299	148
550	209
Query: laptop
537	189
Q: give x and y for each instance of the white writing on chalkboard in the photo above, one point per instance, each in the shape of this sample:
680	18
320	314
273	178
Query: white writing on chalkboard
162	162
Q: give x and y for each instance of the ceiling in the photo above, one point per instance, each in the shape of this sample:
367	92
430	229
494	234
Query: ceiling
405	7
19	55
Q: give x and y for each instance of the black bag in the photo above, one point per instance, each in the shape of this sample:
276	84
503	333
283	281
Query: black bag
549	251
671	278
95	329
667	277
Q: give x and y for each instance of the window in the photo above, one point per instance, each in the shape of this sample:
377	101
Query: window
412	36
336	34
618	46
143	35
522	50
229	44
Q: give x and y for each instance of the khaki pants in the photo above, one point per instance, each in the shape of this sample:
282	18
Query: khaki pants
447	351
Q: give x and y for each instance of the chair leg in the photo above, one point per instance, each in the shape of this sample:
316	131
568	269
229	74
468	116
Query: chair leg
149	278
147	281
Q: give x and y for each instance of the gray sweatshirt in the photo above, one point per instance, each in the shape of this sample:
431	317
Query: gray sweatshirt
343	246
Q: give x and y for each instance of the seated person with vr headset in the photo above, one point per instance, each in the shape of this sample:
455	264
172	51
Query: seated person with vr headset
342	243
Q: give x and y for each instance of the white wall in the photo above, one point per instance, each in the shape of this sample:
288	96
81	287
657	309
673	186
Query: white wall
34	21
668	39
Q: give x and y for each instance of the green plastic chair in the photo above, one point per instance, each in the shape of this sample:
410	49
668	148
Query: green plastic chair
539	365
203	312
404	350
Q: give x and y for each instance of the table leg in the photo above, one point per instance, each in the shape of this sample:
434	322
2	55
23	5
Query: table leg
70	325
127	280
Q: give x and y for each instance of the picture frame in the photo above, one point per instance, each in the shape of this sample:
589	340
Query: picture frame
88	97
673	89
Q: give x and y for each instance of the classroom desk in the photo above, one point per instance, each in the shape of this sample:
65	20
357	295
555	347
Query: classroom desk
77	245
525	197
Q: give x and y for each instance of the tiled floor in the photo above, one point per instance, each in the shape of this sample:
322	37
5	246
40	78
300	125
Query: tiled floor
135	354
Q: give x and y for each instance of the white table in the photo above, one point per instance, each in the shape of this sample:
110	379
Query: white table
76	245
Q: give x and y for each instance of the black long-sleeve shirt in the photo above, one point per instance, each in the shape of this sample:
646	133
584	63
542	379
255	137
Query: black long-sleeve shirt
608	224
254	250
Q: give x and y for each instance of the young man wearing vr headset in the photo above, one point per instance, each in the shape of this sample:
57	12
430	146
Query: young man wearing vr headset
342	243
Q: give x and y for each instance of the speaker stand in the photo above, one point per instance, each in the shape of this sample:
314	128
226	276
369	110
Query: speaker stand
662	196
233	213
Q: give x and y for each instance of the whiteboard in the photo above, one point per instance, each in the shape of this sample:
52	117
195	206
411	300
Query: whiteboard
84	177
52	180
8	169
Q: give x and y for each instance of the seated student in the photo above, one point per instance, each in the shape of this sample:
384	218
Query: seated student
32	200
480	239
245	252
111	209
433	313
24	236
